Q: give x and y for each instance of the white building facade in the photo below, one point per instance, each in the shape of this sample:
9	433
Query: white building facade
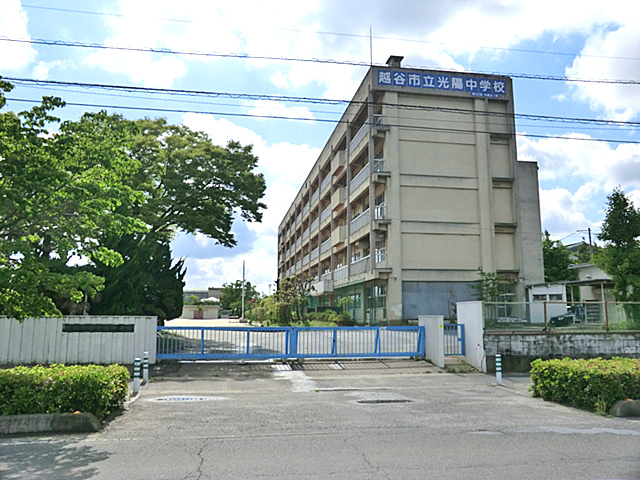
417	189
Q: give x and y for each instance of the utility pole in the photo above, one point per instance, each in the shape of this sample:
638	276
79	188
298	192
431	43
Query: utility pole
243	283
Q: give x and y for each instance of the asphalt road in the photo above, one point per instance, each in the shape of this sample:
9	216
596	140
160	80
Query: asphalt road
362	420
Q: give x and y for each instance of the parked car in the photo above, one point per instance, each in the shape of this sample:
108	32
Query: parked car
575	314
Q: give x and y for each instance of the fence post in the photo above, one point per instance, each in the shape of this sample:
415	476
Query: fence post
545	317
136	376
606	316
499	369
145	367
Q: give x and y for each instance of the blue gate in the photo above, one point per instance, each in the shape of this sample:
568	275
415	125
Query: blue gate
227	343
454	339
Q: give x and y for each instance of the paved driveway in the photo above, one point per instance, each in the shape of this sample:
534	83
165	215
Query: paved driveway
357	420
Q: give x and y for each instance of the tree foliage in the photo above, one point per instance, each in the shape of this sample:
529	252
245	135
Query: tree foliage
486	286
107	190
620	256
231	296
556	259
295	291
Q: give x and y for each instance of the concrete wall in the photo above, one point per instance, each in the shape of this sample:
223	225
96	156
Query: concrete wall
435	298
518	350
208	311
470	315
433	338
66	340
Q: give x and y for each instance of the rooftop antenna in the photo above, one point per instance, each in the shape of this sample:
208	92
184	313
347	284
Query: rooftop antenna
370	47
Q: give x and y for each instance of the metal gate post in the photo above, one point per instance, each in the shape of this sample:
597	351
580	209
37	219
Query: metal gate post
292	333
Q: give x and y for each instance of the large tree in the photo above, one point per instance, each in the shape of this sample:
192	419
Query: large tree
620	256
72	193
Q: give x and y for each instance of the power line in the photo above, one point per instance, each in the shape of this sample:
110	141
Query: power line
354	35
246	56
316	100
326	120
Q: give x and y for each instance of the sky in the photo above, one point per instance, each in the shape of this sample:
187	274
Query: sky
568	59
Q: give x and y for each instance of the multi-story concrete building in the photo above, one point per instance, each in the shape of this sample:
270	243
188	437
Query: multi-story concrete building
417	189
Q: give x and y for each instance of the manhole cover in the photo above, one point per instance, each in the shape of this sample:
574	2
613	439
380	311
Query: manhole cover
384	400
183	398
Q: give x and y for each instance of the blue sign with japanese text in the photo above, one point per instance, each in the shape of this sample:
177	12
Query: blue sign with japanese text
476	86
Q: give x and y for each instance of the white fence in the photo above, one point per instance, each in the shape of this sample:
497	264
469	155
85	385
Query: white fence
77	339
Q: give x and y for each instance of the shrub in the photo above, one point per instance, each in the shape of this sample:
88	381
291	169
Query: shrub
58	389
594	384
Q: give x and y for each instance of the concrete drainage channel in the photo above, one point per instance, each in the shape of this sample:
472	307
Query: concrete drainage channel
184	398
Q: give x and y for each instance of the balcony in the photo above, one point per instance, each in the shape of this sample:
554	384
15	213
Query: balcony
338	235
314	197
325	246
326	276
305	209
362	133
298	242
322	286
314	254
359	178
340	273
338	198
359	222
360	266
325	183
339	161
314	225
305	234
326	213
298	265
378	165
305	260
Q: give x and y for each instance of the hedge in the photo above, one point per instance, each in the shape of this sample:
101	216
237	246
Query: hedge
591	384
58	389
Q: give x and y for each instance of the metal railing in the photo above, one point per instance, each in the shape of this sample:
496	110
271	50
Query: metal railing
305	260
314	253
340	273
314	197
360	221
454	339
325	183
325	214
289	342
359	136
305	234
561	316
378	165
380	212
360	177
325	246
360	266
314	224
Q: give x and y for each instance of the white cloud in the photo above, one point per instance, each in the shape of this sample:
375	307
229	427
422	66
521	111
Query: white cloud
41	70
610	54
562	213
590	161
272	108
285	167
13	24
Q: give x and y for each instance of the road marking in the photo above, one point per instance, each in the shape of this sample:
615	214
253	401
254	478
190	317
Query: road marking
299	381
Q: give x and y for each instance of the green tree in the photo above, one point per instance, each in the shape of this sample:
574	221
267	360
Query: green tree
231	296
295	291
486	286
58	193
73	193
556	258
620	256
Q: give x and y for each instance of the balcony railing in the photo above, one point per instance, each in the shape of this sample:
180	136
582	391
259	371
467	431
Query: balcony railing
340	273
305	209
378	165
326	276
326	213
314	225
305	260
325	246
360	221
314	253
360	266
381	256
359	178
355	141
314	197
325	183
305	234
339	160
380	212
298	242
298	265
299	218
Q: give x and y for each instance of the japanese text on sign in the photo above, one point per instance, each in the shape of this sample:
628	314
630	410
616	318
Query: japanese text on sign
482	87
